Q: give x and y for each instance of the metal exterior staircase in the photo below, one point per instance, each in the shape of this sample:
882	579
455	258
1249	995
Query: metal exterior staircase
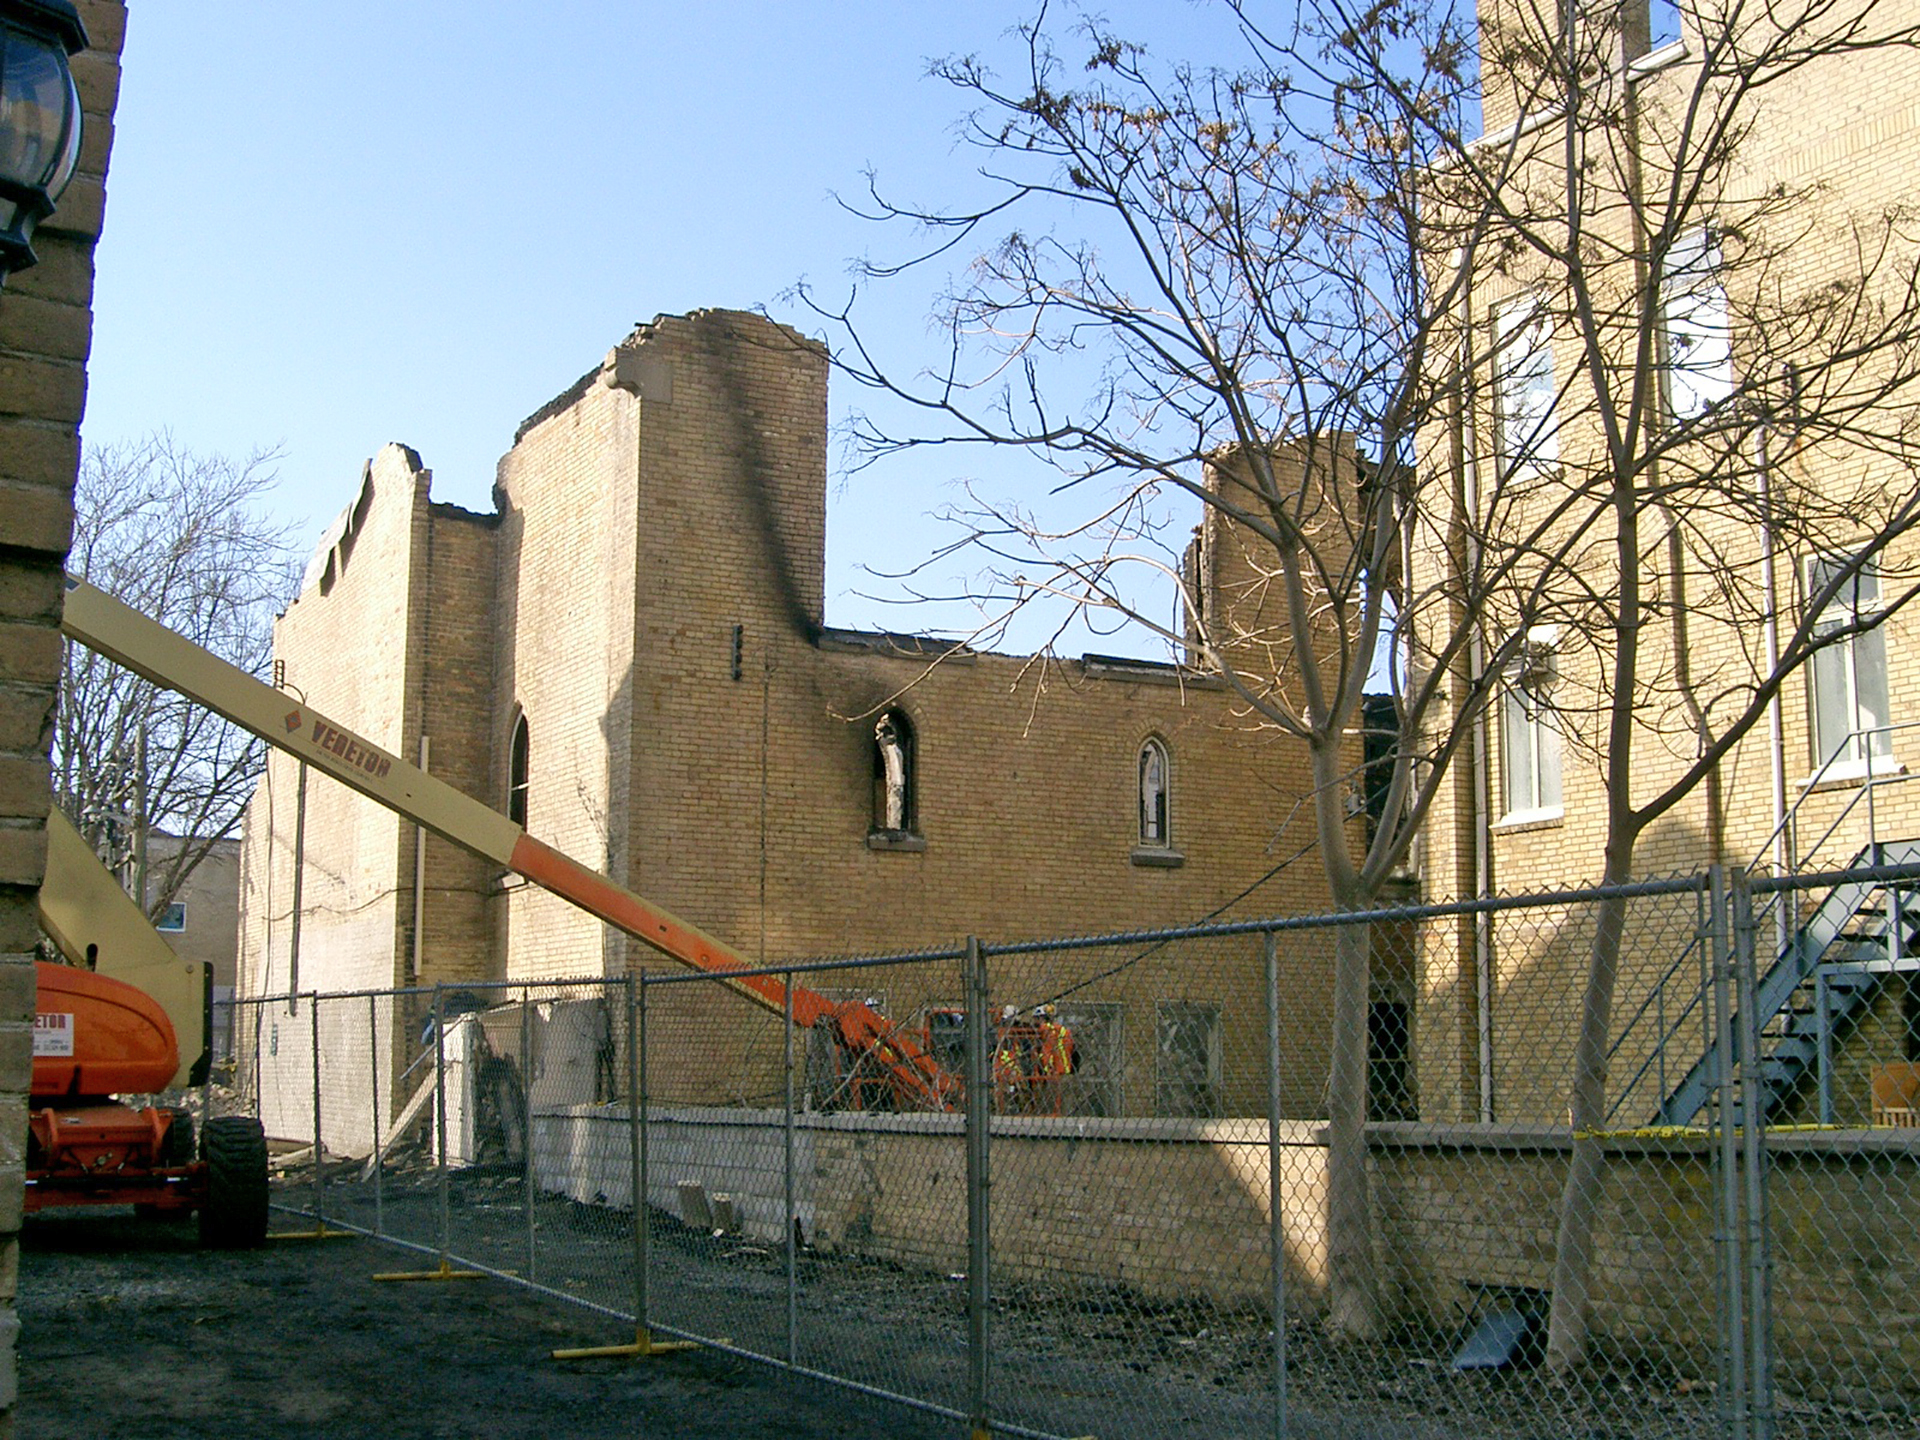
1858	924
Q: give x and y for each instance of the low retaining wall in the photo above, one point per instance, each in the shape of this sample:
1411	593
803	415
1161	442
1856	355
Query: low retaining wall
1179	1209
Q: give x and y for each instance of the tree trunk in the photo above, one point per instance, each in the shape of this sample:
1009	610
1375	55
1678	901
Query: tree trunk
1352	1295
1580	1198
1353	1302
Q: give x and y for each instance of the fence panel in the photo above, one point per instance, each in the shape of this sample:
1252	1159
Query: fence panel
1835	1080
1157	1127
801	1210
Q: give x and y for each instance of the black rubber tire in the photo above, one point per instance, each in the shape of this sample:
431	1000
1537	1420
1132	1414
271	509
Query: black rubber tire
234	1214
177	1148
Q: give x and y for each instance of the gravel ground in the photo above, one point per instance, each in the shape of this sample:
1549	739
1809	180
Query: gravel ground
129	1331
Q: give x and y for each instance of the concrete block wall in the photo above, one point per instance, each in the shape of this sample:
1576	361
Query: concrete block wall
46	334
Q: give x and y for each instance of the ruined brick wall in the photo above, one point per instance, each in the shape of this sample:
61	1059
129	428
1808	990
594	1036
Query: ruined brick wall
343	646
565	639
453	682
654	613
46	333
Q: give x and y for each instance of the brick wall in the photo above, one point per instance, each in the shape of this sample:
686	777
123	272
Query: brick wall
673	499
1843	129
46	331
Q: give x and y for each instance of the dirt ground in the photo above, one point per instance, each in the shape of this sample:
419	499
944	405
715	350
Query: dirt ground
129	1331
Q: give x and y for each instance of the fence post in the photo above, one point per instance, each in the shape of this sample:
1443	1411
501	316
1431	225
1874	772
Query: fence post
440	1120
979	1117
319	1150
1733	1345
373	1085
793	1217
1276	1226
1753	1129
637	1148
526	1118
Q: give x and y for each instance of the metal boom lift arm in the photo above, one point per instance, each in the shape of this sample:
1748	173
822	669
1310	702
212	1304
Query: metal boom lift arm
149	649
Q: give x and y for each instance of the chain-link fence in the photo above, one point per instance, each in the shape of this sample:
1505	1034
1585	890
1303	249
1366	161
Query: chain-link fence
1042	1187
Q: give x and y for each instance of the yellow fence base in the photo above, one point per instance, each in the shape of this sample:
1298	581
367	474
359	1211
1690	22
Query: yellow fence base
322	1231
445	1272
643	1347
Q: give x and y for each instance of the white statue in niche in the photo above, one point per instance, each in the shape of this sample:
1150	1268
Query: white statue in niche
893	769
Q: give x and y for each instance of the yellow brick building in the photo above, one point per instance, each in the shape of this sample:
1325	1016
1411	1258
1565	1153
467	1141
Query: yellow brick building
630	654
1778	448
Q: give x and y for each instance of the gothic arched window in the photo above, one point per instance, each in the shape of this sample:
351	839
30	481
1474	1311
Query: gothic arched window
1156	792
517	773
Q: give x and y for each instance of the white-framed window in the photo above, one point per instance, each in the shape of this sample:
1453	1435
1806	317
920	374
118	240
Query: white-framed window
173	919
1847	680
1528	437
1156	792
1529	729
1696	336
1187	1060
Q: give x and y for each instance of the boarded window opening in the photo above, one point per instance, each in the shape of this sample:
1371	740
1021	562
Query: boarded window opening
1187	1056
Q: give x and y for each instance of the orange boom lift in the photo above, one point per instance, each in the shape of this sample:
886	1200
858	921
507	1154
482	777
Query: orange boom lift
861	1058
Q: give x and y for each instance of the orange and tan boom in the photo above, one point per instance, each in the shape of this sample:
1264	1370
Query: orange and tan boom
148	648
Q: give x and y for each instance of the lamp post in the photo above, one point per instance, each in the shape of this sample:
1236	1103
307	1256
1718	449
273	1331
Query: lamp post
39	118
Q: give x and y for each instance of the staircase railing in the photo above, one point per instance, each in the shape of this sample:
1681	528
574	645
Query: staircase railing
1675	1005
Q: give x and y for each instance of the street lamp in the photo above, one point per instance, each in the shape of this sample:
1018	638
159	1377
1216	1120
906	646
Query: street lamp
39	118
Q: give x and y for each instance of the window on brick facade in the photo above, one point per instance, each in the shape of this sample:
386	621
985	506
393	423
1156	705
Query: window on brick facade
517	773
1529	729
1390	1061
1523	386
1095	1084
1696	339
1848	678
1156	791
895	802
1187	1061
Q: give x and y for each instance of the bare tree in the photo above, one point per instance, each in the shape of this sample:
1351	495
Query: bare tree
1264	289
1724	368
1241	314
184	538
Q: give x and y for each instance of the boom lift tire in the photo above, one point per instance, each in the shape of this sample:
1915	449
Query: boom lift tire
234	1216
178	1146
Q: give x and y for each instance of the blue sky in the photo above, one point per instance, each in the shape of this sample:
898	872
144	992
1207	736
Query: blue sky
329	227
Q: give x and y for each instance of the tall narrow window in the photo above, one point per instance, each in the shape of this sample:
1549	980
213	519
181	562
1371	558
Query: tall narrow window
1530	733
1848	678
1390	1061
1696	338
1523	371
1155	796
517	773
1187	1065
895	810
